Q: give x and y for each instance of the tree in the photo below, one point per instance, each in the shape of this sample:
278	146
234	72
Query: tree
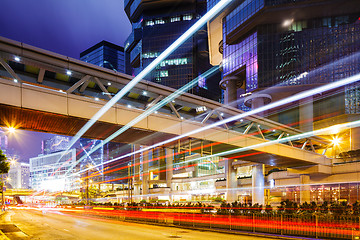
4	168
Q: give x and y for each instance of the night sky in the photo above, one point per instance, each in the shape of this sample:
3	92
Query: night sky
67	27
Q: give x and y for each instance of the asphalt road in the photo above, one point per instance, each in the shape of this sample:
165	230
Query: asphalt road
34	224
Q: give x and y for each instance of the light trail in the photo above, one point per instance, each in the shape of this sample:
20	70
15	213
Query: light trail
286	139
296	97
191	215
151	110
191	31
211	145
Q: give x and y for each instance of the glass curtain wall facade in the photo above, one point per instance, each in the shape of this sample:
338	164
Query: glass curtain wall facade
272	54
47	172
105	54
155	26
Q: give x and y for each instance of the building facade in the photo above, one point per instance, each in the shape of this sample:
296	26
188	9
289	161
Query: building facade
55	144
155	26
19	175
273	49
53	172
105	54
3	141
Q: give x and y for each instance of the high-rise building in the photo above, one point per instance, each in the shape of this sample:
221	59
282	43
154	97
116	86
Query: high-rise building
155	26
273	49
53	172
105	54
55	144
19	175
3	141
296	44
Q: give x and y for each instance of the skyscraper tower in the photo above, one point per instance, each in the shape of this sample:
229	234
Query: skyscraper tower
157	24
105	54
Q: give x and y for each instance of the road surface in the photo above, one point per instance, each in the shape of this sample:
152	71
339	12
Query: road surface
35	224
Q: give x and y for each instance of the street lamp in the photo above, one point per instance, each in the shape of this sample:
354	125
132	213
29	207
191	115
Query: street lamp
12	161
11	129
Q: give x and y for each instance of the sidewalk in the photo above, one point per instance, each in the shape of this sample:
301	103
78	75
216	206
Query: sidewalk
2	235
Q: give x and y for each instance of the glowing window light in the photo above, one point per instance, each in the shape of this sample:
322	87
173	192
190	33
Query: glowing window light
187	17
149	23
164	73
159	21
175	19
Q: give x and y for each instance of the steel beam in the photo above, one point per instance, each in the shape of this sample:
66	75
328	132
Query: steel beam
41	75
102	87
78	83
9	70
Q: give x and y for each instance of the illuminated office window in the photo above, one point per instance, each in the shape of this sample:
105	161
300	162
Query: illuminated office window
187	17
149	23
175	19
176	61
159	21
150	55
164	73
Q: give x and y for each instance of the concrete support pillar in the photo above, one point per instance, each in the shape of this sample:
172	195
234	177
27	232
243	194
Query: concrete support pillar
230	93
229	84
145	176
355	138
169	155
306	114
304	188
231	181
258	183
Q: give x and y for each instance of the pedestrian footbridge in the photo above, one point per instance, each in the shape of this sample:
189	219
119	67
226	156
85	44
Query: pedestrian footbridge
48	92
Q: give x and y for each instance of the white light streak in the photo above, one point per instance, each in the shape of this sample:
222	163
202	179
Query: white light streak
151	110
196	26
279	103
